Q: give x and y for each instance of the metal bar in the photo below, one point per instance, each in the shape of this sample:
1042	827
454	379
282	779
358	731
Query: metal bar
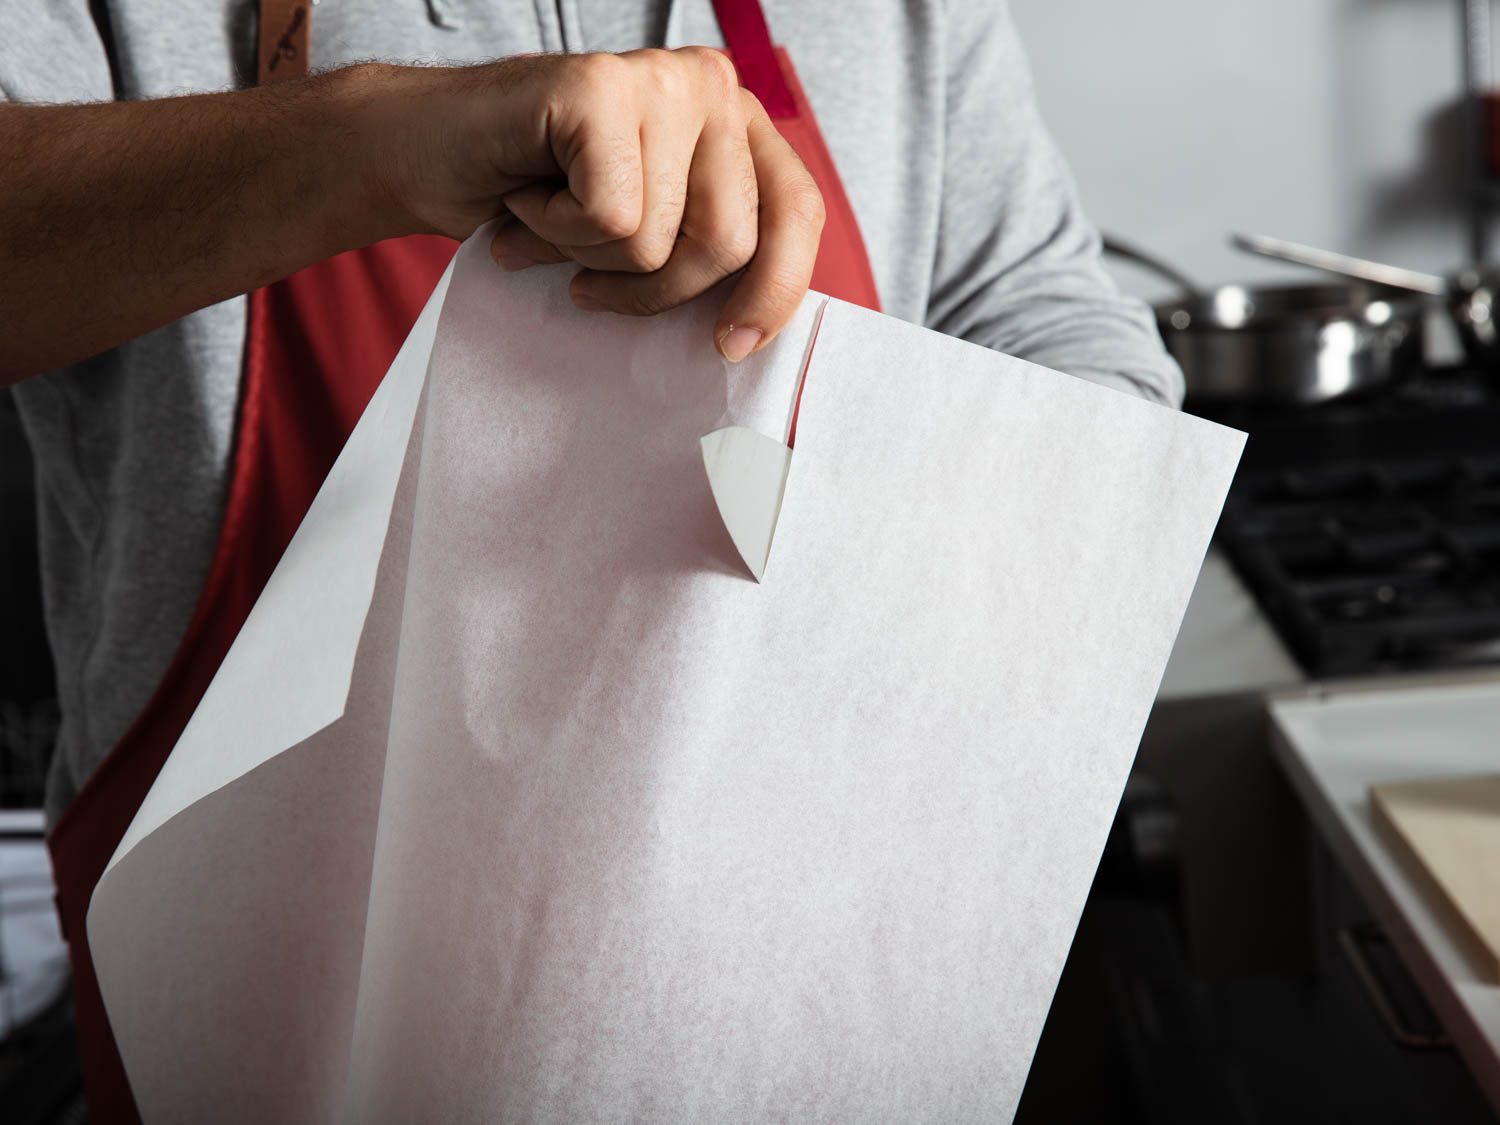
1376	273
1475	18
1132	253
1351	941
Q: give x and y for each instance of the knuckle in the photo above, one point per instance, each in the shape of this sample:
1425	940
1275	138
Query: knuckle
720	70
804	203
646	255
650	247
598	74
659	253
614	209
612	217
732	247
657	58
669	81
750	104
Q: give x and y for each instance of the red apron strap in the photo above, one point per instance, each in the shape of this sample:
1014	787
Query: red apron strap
843	266
285	40
749	41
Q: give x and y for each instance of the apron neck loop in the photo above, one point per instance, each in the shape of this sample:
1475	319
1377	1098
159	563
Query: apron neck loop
743	24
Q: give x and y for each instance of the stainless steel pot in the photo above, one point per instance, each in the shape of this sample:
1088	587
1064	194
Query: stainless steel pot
1285	343
1469	294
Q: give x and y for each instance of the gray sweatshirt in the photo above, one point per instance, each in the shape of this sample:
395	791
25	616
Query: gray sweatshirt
970	218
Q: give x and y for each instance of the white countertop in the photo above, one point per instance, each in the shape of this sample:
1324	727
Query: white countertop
1225	646
33	958
1334	743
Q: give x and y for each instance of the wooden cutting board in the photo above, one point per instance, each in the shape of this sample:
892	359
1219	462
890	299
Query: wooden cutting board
1452	826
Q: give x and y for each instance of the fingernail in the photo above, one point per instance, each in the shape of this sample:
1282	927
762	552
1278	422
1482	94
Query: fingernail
587	303
510	263
736	343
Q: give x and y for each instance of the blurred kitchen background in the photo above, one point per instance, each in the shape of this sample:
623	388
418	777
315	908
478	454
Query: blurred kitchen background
1332	122
1259	945
1283	928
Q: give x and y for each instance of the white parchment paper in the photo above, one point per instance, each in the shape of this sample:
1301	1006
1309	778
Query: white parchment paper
518	800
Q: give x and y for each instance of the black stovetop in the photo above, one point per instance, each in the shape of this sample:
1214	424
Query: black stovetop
1369	529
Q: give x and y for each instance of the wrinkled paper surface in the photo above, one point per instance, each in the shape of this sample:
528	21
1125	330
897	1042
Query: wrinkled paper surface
517	799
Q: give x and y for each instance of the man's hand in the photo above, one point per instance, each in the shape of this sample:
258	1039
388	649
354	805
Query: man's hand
652	170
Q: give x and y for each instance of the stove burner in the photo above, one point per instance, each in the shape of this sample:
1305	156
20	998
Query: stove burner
1370	532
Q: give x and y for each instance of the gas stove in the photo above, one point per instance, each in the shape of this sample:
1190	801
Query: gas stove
1368	528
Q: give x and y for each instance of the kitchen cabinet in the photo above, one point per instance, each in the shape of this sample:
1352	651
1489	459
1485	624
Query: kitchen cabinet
1219	988
1334	743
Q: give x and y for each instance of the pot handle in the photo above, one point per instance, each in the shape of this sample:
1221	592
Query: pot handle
1131	253
1360	269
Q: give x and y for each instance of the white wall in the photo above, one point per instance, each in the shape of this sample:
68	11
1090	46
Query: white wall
1331	122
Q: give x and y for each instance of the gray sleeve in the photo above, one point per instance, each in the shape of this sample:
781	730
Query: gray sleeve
1017	267
50	51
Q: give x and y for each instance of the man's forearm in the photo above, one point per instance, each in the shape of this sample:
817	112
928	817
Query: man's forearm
117	218
651	170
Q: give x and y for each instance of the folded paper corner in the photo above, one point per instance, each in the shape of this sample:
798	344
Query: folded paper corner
747	473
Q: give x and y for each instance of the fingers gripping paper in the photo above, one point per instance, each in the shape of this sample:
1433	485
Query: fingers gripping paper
519	799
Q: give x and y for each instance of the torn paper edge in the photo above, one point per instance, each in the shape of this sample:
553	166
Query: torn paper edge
748	472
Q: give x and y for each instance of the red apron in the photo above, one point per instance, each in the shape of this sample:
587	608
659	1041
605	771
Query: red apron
317	346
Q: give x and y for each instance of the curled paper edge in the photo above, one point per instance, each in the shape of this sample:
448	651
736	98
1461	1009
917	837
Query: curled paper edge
747	472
